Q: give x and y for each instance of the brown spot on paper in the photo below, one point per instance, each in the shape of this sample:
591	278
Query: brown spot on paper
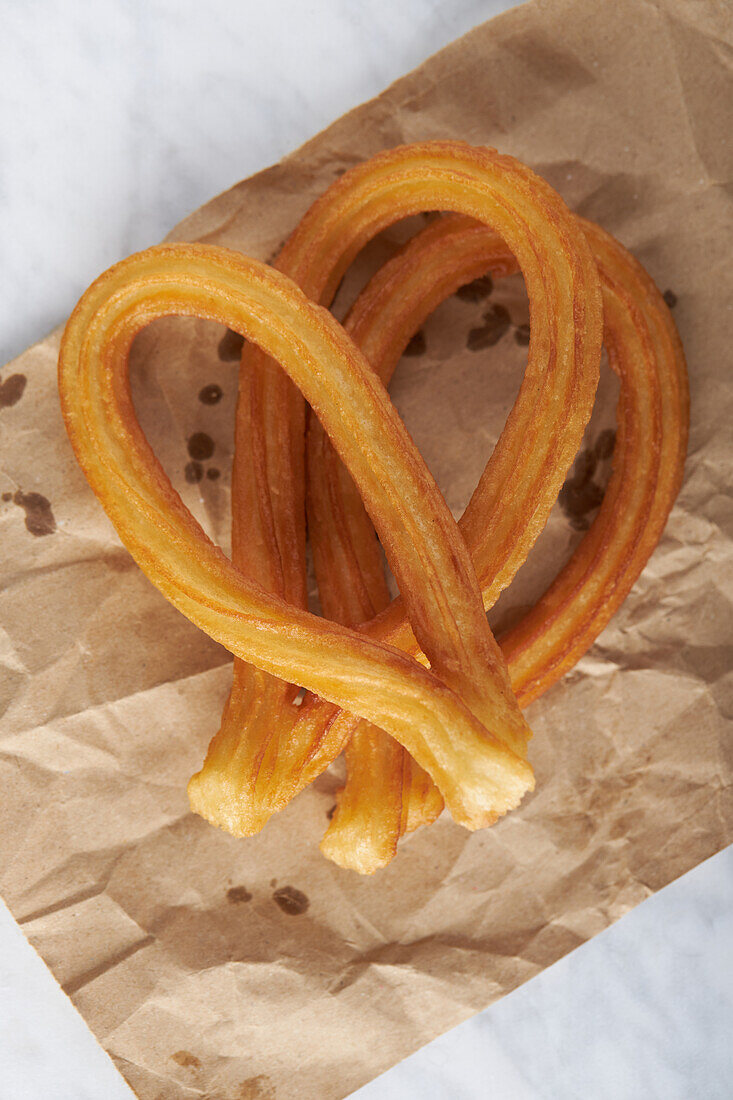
291	901
521	335
477	290
605	443
213	473
670	298
576	504
585	466
119	561
211	394
580	495
7	496
193	472
39	518
496	323
230	347
238	894
257	1088
186	1059
200	446
417	345
11	390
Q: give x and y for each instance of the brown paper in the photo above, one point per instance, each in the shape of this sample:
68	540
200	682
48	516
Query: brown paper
214	967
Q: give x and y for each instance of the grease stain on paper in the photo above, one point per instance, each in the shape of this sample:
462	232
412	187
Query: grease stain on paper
257	1088
11	390
39	518
186	1059
292	902
238	894
193	472
521	335
581	494
119	561
496	322
230	346
417	345
605	443
200	446
211	394
477	290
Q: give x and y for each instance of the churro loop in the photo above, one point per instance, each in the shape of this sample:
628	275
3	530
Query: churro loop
421	697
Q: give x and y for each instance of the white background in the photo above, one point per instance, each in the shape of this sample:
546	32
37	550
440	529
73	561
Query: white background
116	119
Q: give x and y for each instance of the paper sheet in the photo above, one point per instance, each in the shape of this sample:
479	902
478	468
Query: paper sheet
232	969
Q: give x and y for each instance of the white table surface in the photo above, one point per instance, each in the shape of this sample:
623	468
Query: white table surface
118	117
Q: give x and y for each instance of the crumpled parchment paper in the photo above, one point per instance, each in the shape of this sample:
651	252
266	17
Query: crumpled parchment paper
214	967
